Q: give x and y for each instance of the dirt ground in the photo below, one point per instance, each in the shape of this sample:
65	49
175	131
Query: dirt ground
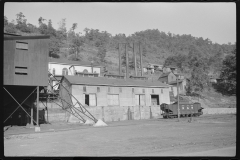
208	135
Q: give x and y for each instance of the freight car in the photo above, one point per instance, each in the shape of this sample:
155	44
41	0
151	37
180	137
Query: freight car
186	109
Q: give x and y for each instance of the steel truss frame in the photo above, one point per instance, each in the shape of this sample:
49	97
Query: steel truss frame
20	105
77	112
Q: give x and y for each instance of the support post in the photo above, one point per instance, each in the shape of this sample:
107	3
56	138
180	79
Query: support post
37	105
32	115
140	51
135	61
178	100
126	53
120	60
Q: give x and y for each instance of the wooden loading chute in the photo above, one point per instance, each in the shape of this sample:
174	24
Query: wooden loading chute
77	109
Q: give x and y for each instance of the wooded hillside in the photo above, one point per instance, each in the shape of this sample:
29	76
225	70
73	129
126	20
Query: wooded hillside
187	52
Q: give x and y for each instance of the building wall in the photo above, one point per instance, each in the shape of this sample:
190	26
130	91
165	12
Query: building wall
59	68
126	97
171	77
182	89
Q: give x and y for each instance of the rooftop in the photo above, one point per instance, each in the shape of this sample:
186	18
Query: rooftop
165	74
103	81
76	63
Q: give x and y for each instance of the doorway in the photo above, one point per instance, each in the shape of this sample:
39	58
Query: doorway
154	99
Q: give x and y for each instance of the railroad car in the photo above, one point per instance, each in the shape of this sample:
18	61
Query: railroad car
186	109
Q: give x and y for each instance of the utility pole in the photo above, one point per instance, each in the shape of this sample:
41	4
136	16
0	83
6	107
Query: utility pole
135	61
37	106
120	60
140	50
178	99
126	53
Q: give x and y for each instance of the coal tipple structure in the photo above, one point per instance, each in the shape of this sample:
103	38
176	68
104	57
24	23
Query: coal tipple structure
25	74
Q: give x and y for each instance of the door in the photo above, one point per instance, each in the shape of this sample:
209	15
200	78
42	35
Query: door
92	99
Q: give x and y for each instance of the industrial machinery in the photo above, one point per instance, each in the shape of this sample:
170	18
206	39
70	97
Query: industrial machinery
186	109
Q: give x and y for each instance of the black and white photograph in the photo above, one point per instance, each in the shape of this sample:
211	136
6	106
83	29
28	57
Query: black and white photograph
119	79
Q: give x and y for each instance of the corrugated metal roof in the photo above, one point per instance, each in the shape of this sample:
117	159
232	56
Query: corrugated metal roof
65	61
102	81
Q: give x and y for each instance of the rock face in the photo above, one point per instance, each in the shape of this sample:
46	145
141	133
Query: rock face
100	123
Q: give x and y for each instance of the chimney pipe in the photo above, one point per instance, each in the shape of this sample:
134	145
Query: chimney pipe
135	62
140	50
126	53
120	60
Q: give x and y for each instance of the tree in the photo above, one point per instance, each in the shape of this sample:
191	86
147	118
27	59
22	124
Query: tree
22	23
50	30
102	53
10	28
199	75
228	74
5	21
75	47
62	27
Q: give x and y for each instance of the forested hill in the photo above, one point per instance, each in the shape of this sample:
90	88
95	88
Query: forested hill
102	47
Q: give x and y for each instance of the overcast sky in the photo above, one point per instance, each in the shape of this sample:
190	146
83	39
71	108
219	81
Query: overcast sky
216	21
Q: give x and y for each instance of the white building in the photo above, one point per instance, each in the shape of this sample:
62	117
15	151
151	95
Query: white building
60	67
66	67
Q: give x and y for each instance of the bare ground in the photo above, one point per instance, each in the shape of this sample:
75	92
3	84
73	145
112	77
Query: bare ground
210	135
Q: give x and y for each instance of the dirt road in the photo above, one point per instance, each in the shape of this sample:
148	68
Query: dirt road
213	135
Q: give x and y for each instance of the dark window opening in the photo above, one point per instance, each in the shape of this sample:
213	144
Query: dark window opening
21	70
132	90
20	73
90	99
98	89
120	90
65	71
154	99
143	90
87	99
152	90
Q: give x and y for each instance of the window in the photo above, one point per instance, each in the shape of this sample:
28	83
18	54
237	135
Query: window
113	99
21	70
84	89
143	90
85	71
172	88
98	89
152	90
108	89
132	90
120	90
21	45
53	71
64	71
90	99
139	99
161	90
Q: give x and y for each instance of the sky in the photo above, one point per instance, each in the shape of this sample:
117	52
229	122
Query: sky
215	21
